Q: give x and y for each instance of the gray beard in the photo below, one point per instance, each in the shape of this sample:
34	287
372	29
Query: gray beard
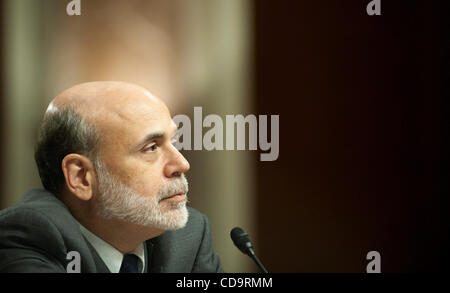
118	201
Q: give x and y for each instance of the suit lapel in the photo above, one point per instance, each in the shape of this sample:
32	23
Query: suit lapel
153	263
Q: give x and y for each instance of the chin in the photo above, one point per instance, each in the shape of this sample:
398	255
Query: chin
171	220
178	220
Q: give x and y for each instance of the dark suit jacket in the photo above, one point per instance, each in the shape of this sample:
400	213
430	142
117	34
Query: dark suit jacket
37	234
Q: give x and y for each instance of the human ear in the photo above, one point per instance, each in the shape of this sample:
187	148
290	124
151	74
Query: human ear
79	175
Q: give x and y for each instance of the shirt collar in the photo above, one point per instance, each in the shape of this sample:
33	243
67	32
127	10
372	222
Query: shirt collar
111	256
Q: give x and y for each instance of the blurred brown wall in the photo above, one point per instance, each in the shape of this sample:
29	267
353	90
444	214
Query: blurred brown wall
364	137
2	101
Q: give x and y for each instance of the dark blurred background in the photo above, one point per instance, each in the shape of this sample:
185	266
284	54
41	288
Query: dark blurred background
364	161
363	104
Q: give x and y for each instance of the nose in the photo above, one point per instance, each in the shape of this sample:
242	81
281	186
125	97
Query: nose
176	164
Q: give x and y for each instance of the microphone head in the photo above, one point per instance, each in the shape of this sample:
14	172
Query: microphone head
241	240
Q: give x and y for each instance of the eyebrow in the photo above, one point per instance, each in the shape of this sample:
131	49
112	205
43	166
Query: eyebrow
150	137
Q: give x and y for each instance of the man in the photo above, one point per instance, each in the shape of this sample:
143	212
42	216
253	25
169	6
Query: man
115	191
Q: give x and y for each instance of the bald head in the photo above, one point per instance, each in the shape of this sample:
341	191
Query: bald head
94	99
103	116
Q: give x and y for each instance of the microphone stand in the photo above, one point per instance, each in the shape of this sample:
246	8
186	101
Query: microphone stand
252	254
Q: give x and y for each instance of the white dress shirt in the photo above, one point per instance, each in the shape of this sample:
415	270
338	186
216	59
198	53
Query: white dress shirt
111	256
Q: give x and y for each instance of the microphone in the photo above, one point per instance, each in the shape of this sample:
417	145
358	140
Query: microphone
242	241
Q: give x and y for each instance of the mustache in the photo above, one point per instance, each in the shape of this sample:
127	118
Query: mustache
178	185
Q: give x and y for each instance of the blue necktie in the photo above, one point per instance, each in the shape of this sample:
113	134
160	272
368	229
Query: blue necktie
130	264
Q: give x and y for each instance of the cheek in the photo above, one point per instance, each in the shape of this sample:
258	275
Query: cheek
147	185
145	179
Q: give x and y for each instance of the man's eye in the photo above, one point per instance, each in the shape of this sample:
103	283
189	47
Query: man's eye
150	148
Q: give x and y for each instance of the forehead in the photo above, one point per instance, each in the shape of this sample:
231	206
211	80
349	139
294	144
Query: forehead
128	119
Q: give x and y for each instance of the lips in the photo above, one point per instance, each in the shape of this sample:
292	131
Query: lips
181	195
